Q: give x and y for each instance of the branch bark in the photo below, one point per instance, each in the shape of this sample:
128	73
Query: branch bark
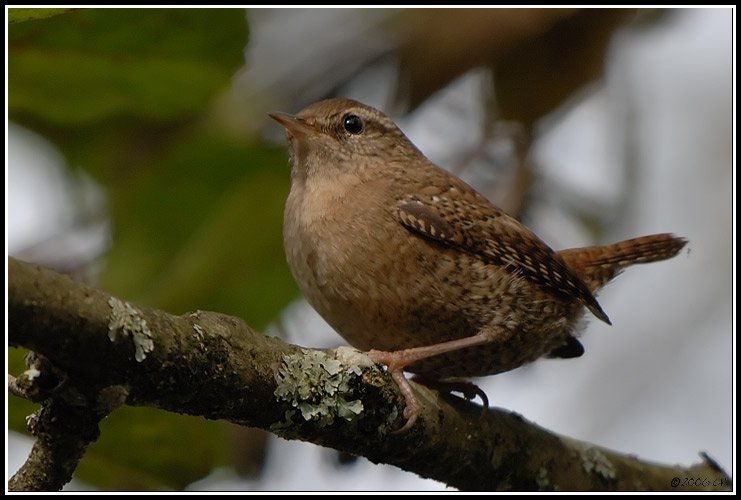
64	426
215	366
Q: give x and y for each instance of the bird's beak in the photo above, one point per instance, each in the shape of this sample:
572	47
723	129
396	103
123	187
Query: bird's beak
295	126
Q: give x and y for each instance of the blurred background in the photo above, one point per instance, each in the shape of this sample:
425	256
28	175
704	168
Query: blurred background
140	159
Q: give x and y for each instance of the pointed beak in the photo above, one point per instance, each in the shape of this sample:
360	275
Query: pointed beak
293	125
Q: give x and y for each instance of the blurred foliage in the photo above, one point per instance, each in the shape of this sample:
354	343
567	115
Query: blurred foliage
539	57
540	73
196	213
92	64
20	15
464	39
149	449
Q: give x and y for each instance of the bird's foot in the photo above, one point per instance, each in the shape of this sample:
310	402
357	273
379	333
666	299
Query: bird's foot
395	362
465	387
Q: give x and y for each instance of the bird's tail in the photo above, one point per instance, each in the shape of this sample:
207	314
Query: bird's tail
599	264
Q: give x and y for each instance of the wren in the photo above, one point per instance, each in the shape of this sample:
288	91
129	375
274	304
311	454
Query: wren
406	260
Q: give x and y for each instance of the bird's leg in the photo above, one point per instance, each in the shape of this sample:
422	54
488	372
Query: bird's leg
396	361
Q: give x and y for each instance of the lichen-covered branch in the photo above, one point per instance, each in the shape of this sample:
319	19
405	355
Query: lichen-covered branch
213	365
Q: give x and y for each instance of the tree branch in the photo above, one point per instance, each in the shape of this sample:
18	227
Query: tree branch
64	426
215	366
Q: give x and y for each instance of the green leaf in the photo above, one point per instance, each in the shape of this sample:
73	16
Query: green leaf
96	63
84	88
21	15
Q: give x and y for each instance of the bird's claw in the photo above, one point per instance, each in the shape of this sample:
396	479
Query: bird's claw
395	368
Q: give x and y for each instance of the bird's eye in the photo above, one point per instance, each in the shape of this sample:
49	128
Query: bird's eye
352	124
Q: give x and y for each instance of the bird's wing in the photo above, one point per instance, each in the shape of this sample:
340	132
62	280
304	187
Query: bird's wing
477	227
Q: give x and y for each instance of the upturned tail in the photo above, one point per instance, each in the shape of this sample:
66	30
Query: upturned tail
598	265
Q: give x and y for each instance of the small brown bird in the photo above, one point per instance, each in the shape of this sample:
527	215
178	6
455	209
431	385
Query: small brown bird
406	260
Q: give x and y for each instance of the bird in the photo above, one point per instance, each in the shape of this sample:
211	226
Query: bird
410	263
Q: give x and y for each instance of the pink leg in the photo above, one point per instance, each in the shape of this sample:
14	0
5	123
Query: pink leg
396	361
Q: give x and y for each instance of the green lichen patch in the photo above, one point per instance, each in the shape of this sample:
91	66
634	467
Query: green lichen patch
127	321
541	479
594	461
318	386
